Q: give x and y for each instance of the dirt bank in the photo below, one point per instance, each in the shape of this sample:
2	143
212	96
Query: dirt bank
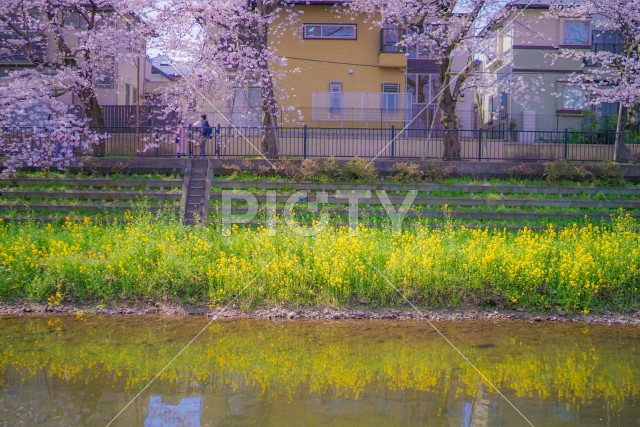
361	312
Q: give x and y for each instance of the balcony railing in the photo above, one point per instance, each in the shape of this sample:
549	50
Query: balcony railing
360	106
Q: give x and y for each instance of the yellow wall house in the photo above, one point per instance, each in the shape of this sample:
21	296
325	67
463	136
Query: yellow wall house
353	74
345	79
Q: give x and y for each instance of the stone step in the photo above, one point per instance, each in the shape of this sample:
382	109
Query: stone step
199	164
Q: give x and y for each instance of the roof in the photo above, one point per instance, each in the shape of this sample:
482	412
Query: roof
527	5
509	7
165	66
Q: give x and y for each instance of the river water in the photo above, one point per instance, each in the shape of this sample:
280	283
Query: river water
68	371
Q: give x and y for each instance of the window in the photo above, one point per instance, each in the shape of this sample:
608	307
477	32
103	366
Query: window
424	88
390	87
246	106
420	52
335	95
576	33
107	77
573	98
76	21
390	36
330	31
606	41
390	95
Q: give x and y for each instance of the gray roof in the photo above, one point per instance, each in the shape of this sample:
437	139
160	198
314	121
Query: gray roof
166	66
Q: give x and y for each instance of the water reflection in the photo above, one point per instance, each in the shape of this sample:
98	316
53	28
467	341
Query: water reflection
61	371
187	413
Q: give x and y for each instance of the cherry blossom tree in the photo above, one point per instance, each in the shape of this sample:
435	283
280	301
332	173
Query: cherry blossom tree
79	39
611	69
233	45
444	30
66	48
38	130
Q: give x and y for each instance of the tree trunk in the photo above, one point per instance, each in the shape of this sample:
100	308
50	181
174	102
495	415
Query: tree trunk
452	147
270	136
621	152
269	122
448	103
92	110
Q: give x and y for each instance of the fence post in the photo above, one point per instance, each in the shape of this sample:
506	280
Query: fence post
190	141
566	143
393	141
156	142
479	144
218	141
304	142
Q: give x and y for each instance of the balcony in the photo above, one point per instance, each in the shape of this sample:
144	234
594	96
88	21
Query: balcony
391	55
14	51
361	106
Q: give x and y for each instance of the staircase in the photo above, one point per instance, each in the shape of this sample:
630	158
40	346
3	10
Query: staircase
196	191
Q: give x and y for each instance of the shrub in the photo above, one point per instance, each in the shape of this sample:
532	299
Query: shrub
234	169
521	171
608	173
562	170
360	169
437	171
329	169
310	170
289	170
406	172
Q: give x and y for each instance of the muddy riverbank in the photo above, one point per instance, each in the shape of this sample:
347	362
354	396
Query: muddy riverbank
322	313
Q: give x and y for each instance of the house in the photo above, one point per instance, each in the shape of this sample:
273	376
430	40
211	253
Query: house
161	70
123	82
530	90
351	74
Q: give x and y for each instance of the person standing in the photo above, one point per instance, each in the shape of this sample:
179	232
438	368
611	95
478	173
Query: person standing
180	140
204	131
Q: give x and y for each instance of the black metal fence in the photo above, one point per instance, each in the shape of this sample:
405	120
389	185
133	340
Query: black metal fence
383	143
126	116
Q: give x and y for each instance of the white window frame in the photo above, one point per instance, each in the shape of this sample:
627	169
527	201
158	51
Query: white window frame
325	32
390	96
564	32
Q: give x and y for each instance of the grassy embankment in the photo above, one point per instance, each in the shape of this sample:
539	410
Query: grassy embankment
585	268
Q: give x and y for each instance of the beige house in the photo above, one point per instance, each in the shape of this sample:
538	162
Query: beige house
123	86
530	90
